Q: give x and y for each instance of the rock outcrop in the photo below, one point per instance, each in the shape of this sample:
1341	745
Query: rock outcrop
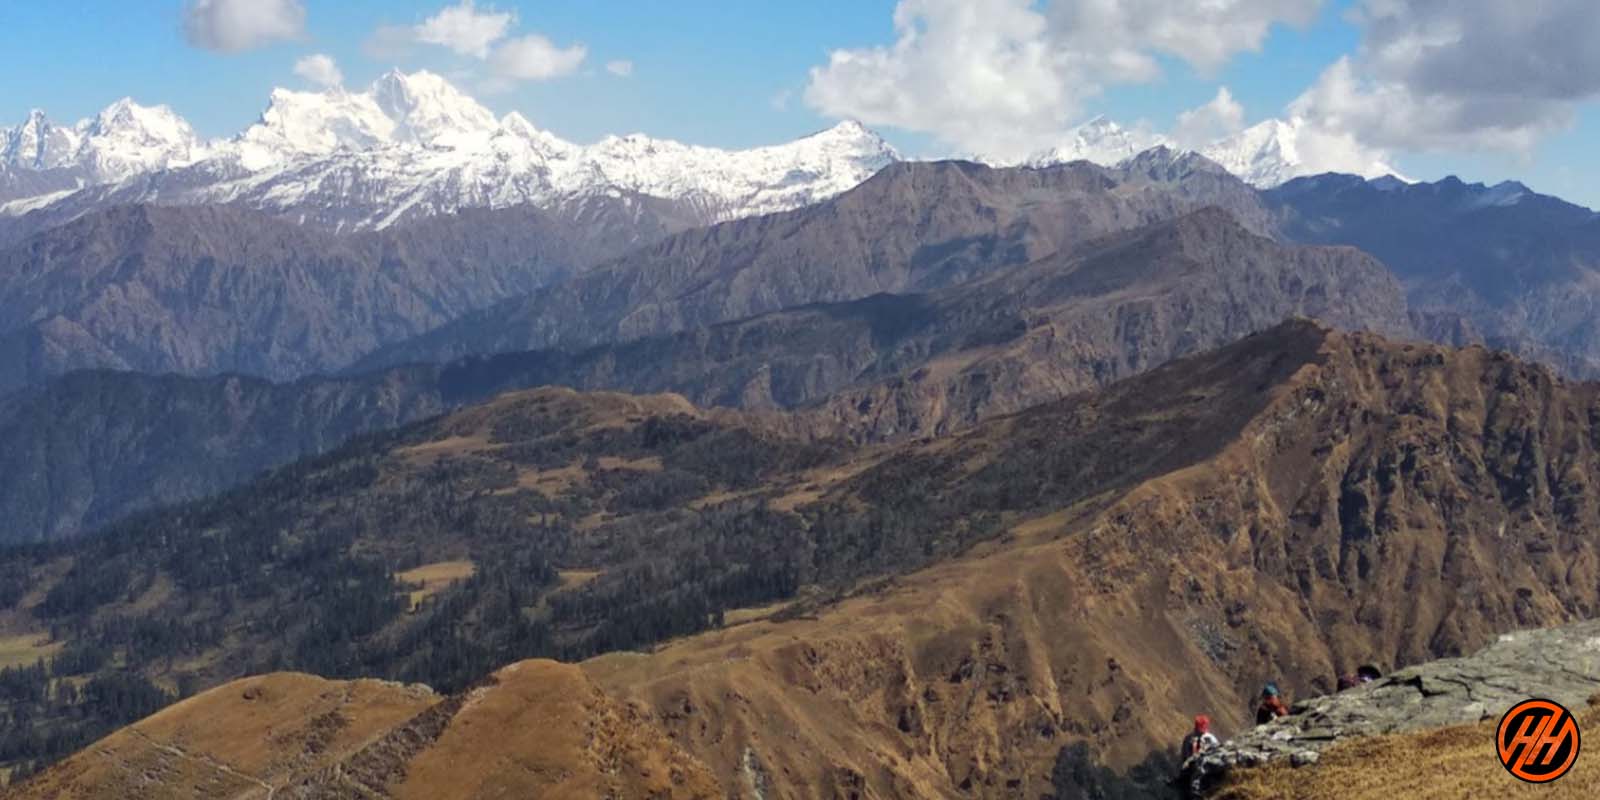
1560	664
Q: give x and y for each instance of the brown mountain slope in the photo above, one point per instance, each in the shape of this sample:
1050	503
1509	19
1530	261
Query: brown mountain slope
1284	508
1368	513
534	729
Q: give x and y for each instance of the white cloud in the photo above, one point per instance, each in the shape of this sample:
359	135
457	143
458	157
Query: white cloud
535	58
621	68
1197	127
320	69
1460	75
230	26
780	99
1005	77
465	29
485	34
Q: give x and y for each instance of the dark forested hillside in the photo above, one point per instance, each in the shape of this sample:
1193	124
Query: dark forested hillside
585	524
93	446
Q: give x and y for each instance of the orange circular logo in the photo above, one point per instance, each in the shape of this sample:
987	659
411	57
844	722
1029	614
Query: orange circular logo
1537	740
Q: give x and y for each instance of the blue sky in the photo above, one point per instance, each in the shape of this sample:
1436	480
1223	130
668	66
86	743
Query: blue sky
737	73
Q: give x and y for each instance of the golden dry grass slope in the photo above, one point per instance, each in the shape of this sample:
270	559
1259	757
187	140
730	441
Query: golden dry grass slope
1286	508
534	729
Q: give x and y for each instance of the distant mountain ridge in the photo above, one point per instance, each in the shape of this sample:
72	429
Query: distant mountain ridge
98	445
1500	264
913	227
213	289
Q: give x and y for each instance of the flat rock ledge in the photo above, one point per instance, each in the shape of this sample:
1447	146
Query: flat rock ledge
1560	664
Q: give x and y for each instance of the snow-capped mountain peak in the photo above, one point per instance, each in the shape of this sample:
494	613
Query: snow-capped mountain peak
123	140
1270	153
1264	155
428	110
299	124
1099	140
397	109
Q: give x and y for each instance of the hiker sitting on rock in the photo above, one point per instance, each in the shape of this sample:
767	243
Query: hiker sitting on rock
1199	740
1193	769
1272	705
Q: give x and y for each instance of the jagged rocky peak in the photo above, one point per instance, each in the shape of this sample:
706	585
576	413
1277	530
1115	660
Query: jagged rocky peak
1166	163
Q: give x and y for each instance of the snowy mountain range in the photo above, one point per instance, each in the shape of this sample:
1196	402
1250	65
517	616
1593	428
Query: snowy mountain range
412	145
1264	155
409	145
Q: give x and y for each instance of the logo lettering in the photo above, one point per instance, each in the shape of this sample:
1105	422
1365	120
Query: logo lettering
1538	741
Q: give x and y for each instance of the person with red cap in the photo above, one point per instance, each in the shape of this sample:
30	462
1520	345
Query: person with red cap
1200	739
1191	767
